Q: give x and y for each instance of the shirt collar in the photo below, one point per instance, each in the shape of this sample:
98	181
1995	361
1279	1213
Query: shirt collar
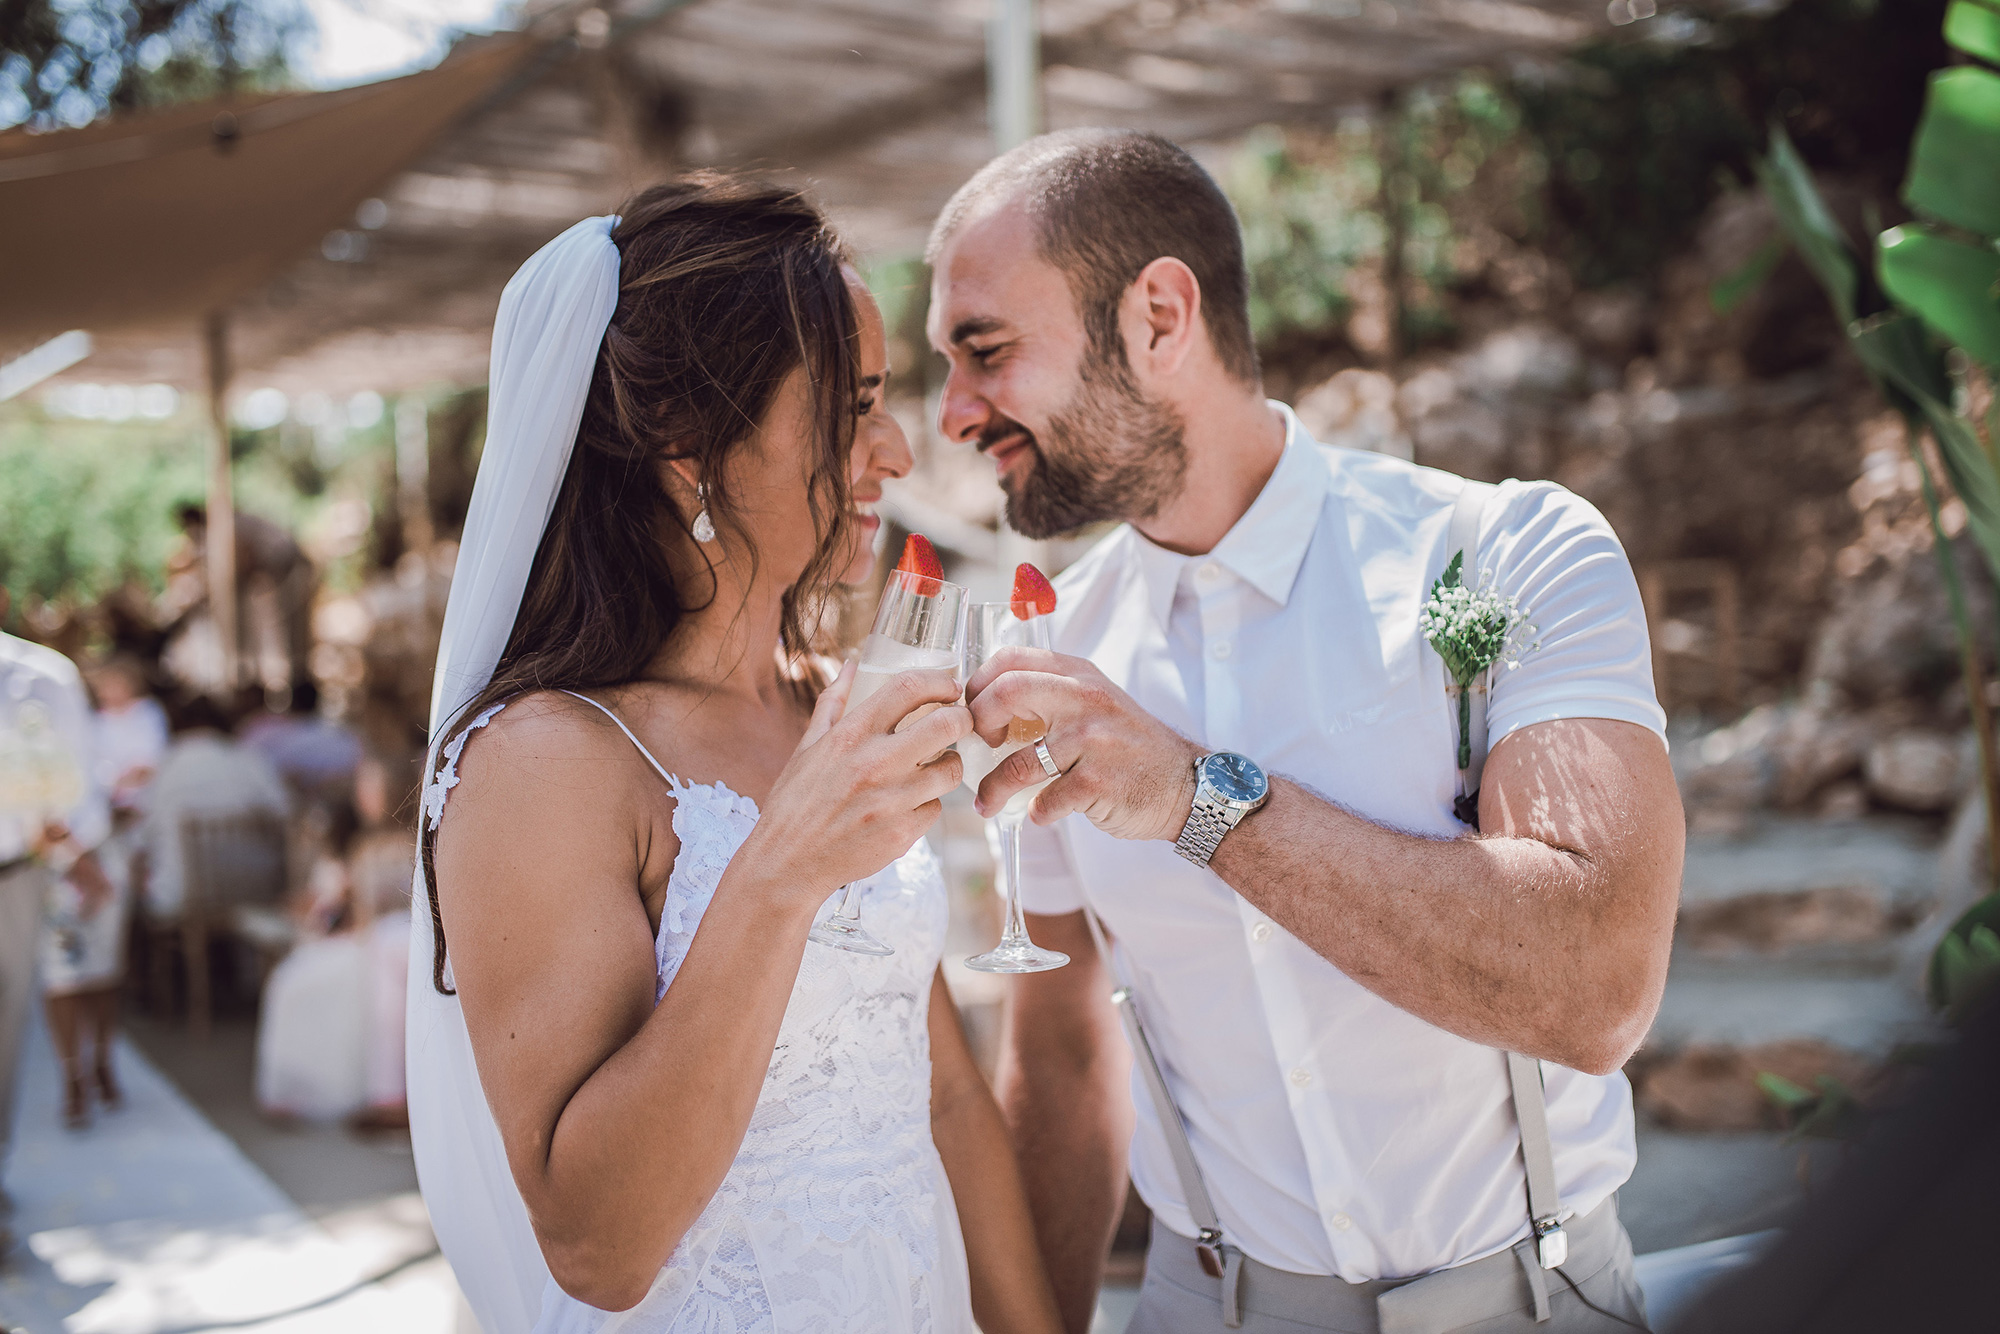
1267	545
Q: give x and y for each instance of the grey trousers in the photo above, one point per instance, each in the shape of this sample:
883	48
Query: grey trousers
22	892
1490	1296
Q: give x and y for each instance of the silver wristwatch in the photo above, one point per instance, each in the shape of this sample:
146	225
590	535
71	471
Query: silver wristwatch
1227	787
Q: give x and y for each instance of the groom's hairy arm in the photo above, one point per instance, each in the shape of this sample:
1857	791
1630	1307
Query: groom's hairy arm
1062	1086
1547	933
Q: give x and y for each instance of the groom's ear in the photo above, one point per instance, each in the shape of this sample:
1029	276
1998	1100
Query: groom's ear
1162	316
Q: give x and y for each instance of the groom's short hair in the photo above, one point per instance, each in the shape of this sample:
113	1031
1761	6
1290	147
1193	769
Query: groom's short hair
1106	203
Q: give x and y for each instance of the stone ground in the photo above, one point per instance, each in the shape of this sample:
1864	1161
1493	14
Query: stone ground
188	1211
162	1218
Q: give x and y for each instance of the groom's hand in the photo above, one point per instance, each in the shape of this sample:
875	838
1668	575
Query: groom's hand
1130	773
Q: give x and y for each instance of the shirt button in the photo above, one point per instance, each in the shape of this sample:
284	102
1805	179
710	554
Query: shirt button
1340	1222
1302	1077
1210	571
1261	932
1220	649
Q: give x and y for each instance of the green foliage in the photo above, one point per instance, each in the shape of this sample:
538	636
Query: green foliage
1967	960
1974	28
1939	285
1640	136
1316	209
1828	1110
1952	283
1953	174
1307	224
67	62
88	506
84	509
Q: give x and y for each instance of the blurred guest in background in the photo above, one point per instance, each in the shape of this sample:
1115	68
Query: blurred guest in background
82	949
330	1038
205	773
275	581
130	732
51	817
315	756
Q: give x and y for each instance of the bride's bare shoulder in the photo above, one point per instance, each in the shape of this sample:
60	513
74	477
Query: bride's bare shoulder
543	746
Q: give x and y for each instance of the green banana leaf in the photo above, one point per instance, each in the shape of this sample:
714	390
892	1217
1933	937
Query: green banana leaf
1901	355
1974	29
1968	958
1954	170
1953	286
1803	216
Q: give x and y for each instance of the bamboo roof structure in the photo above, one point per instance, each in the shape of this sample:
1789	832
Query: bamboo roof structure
880	105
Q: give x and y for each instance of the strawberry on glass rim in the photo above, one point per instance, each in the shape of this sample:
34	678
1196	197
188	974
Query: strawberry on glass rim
920	558
1032	588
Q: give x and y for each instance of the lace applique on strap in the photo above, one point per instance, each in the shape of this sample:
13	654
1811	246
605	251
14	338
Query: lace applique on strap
438	787
711	822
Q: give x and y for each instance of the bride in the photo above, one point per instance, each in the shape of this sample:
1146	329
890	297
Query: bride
640	1098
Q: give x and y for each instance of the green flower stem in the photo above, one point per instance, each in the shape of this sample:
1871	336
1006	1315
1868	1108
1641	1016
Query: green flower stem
1465	727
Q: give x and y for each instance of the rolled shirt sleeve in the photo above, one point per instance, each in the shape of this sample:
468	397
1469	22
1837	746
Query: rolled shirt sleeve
1588	655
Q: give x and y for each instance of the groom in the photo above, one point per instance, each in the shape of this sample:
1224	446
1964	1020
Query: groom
1328	964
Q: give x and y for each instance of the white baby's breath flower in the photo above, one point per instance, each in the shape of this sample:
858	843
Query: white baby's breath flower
1474	629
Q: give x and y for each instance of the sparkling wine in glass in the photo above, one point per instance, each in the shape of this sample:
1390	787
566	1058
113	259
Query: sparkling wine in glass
990	627
916	629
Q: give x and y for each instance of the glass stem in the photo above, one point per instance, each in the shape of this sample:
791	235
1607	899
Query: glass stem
850	901
1016	928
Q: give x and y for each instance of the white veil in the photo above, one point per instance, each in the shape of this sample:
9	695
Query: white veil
552	319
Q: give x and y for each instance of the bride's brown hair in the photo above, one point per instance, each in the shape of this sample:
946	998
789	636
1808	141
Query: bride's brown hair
725	287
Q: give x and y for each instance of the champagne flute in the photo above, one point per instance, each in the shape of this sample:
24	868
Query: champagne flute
916	629
990	627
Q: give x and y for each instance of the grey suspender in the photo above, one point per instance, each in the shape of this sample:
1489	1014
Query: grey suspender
1219	1259
1524	1073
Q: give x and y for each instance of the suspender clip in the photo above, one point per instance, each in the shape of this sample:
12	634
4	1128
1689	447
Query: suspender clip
1551	1242
1208	1249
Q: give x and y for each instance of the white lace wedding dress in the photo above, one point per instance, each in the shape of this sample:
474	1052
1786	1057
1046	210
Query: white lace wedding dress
836	1217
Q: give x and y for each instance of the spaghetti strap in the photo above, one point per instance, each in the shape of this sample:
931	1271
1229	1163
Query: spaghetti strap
672	782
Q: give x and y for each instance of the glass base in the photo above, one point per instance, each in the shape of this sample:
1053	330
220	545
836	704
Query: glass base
843	934
1017	956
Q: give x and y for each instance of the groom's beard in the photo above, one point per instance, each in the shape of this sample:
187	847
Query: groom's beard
1110	453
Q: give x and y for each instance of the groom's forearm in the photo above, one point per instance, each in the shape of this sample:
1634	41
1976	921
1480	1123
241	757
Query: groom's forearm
1547	935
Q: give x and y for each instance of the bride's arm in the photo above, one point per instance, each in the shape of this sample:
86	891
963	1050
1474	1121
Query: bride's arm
620	1118
1010	1289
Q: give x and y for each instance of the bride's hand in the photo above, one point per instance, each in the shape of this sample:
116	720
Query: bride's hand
857	793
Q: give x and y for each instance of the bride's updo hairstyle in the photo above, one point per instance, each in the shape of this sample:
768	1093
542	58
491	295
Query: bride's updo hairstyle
725	287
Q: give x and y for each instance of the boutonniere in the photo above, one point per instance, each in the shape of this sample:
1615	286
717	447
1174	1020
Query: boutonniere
1473	630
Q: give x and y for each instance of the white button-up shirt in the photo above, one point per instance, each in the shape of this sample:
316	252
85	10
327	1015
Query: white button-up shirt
1337	1134
46	750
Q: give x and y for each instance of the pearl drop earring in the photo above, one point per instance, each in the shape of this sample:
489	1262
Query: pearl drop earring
703	527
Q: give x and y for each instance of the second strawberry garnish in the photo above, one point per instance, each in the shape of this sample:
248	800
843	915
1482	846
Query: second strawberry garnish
1031	585
920	557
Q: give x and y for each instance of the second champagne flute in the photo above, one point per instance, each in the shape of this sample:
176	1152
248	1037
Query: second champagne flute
989	627
916	629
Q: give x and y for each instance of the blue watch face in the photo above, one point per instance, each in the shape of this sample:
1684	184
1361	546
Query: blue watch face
1236	777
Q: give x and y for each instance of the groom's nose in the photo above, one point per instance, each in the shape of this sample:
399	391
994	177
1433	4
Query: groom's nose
960	411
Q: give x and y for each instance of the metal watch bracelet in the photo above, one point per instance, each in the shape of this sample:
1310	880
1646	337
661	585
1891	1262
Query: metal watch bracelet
1203	833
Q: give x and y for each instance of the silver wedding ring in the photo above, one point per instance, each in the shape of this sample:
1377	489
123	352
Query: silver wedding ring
1048	760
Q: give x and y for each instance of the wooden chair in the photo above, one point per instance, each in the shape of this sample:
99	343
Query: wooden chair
228	862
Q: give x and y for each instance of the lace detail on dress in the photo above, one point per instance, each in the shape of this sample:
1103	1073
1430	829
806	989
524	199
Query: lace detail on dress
835	1217
436	789
711	823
